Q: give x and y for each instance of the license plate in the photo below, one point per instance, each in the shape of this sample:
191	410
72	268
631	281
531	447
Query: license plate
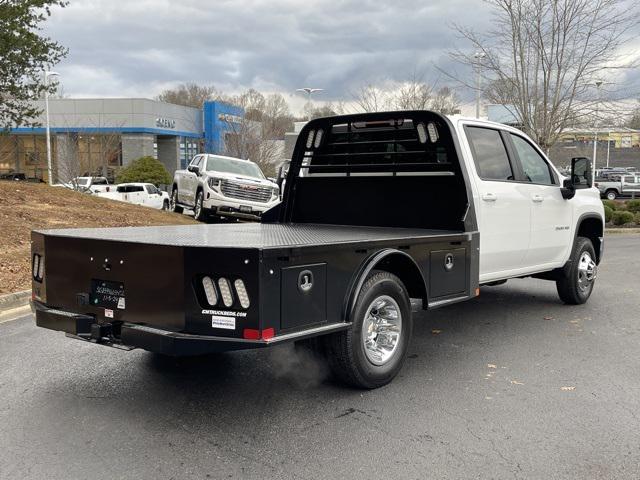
107	294
245	208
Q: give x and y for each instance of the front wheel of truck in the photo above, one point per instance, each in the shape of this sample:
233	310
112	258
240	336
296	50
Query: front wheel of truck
371	353
199	212
576	286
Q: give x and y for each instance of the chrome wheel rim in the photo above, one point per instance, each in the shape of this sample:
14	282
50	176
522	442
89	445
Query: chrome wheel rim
381	330
587	271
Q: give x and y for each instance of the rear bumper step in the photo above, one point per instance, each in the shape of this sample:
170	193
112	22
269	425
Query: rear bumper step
128	336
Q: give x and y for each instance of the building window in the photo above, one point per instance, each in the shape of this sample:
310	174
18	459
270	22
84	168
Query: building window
188	149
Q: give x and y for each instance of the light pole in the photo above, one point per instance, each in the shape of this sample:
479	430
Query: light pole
608	146
309	91
478	57
598	84
48	74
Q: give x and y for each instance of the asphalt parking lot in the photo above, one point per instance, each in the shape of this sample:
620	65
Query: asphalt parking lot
511	385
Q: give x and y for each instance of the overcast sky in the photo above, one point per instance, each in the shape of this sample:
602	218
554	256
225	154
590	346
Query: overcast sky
139	47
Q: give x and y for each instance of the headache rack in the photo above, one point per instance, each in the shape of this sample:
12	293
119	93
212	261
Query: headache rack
386	169
386	147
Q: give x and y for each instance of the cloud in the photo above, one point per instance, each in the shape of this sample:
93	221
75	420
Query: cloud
119	48
138	48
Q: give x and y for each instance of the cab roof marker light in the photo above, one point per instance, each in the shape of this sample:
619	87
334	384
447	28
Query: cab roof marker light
210	291
243	296
318	138
422	133
433	132
225	292
310	138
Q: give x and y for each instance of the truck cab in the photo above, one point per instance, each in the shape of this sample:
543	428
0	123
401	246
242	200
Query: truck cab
527	224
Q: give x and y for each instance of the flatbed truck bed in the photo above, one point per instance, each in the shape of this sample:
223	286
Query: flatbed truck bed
253	235
153	297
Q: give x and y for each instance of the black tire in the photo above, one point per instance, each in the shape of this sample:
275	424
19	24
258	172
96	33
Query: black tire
199	212
346	352
165	205
611	194
576	287
174	207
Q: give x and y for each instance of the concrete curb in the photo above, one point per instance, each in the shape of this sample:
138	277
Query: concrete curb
616	231
15	300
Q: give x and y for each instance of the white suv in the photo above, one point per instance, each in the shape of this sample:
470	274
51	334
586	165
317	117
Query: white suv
224	186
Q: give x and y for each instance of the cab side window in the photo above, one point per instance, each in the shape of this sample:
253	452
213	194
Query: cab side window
489	154
534	167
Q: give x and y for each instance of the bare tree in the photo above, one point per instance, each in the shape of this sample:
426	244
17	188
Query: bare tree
244	139
189	94
634	119
277	118
542	58
414	94
258	135
445	100
312	111
371	98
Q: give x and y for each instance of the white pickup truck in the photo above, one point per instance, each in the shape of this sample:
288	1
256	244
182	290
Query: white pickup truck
223	186
145	194
379	208
90	184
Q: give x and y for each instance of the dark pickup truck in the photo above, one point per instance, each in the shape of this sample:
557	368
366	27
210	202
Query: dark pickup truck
378	209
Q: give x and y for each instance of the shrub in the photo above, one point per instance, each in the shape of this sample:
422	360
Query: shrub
608	213
622	218
610	203
633	206
145	169
636	218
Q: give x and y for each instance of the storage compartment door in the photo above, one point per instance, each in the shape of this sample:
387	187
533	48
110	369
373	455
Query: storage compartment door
303	296
448	272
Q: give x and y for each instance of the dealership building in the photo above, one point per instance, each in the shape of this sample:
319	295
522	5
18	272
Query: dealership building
90	136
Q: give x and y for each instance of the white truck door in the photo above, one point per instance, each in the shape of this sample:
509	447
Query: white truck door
153	197
551	215
136	194
504	210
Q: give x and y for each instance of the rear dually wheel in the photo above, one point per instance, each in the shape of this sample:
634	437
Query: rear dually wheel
371	353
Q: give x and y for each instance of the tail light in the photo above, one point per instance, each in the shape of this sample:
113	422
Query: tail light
243	296
37	267
221	289
225	292
210	291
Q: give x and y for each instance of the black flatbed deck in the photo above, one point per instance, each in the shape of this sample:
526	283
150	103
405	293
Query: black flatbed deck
252	235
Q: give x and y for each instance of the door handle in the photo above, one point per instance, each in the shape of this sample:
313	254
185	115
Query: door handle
489	197
537	198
